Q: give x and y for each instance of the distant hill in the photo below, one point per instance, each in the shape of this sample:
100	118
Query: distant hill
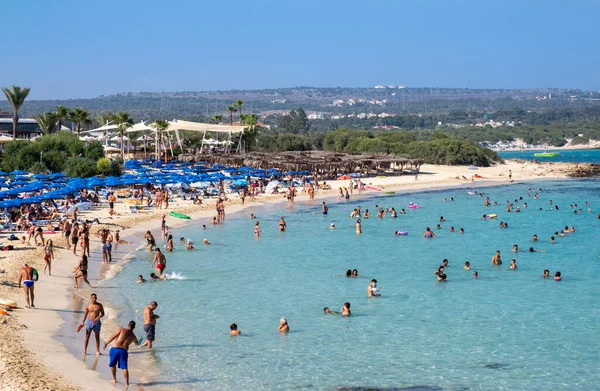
203	104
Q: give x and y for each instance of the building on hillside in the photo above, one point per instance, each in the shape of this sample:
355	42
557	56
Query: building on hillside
26	128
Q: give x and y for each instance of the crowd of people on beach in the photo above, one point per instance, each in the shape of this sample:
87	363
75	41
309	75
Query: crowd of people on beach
77	231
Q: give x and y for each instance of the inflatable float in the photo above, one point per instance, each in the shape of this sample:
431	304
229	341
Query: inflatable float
402	233
389	192
491	216
413	206
472	192
179	215
8	303
373	188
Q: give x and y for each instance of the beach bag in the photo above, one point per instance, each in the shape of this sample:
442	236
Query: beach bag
34	275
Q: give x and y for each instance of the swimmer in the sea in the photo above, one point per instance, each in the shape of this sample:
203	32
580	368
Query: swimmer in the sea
557	276
428	233
332	226
154	277
283	326
546	273
282	225
515	249
445	263
438	227
205	242
513	264
532	250
452	229
467	266
372	289
442	219
551	239
140	279
355	273
496	259
534	238
475	275
234	329
326	311
358	227
462	231
346	309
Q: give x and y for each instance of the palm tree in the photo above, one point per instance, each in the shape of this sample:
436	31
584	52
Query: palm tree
216	119
231	109
161	125
61	114
123	120
46	122
79	117
251	131
16	97
239	105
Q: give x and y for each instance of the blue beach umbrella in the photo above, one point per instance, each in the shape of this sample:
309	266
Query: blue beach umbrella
19	172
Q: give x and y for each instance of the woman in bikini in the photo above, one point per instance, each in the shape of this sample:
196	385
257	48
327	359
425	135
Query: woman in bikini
48	256
257	229
81	271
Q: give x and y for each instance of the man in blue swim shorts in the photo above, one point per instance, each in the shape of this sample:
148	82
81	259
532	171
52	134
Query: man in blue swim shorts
26	276
93	312
119	351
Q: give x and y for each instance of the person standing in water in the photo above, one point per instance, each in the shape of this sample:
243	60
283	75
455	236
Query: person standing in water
283	328
150	324
119	351
324	208
257	229
282	225
160	260
93	312
496	259
358	227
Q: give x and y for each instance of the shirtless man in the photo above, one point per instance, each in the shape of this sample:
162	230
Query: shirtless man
496	260
103	233
26	276
119	351
160	260
150	324
93	312
282	225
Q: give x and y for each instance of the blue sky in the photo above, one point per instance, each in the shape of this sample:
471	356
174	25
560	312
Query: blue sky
74	49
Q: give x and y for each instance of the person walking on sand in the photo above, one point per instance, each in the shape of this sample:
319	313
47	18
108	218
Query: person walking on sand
93	312
150	324
67	233
26	276
75	237
48	256
81	271
119	351
160	260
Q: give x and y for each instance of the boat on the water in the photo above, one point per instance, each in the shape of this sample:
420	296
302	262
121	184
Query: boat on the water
546	154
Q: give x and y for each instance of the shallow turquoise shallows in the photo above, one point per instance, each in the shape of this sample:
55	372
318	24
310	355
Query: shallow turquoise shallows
572	156
509	330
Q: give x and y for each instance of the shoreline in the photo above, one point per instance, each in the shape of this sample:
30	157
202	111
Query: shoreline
55	292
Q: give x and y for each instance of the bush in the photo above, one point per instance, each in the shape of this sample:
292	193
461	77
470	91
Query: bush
81	168
94	150
103	166
38	168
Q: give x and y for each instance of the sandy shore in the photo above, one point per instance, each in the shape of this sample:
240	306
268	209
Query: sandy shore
34	358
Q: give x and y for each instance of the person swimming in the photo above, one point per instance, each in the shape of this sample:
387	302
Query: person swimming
496	259
332	226
140	279
346	309
513	264
283	326
515	249
234	329
532	250
372	289
355	273
546	273
452	229
462	231
467	266
475	275
557	276
428	233
534	238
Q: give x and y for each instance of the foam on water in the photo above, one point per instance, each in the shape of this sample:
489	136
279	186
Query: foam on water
175	276
508	330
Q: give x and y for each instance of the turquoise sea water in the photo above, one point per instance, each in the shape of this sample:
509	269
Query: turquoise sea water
509	330
572	156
